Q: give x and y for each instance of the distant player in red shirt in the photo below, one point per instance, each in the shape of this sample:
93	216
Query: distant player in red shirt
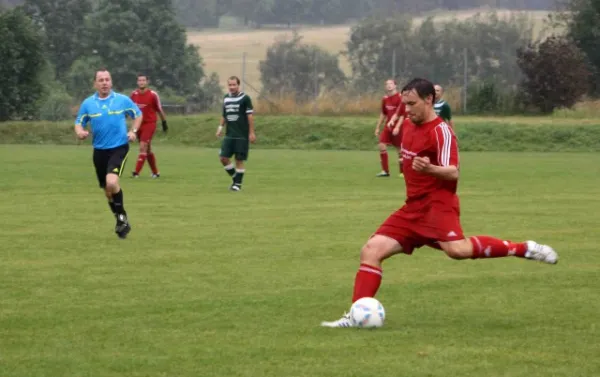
149	102
392	115
431	214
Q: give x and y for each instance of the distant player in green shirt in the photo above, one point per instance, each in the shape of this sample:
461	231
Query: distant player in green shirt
239	123
441	107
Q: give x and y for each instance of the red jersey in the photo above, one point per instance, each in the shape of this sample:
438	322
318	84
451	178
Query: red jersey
391	105
149	104
437	141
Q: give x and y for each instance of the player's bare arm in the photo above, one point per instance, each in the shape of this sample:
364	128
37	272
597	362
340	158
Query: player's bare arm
251	134
137	122
161	114
423	165
379	123
163	117
392	120
395	117
220	128
396	130
81	132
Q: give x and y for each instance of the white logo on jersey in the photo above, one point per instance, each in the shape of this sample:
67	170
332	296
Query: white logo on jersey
407	154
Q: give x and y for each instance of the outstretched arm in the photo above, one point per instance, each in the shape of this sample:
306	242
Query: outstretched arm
447	164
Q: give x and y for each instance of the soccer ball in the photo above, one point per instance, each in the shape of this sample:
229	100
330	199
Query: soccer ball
367	312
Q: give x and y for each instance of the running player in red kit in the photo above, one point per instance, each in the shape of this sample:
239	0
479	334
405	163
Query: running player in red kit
431	213
392	115
149	102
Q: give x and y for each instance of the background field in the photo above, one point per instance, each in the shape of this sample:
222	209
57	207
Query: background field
222	50
214	283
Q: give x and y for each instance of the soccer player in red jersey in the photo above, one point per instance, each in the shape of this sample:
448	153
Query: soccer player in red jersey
431	213
392	115
149	102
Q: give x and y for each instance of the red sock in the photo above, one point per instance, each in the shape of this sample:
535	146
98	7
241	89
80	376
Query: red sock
490	247
152	162
384	161
367	281
140	162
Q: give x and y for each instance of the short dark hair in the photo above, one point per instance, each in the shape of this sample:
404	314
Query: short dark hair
237	79
99	70
142	75
423	87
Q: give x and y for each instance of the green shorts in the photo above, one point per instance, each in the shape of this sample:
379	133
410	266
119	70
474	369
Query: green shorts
234	146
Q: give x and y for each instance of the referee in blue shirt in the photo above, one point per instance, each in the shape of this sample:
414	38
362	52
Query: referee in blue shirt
105	112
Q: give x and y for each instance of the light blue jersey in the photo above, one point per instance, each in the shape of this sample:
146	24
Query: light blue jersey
106	117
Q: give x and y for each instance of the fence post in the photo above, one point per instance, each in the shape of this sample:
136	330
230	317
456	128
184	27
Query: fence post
243	70
465	82
316	83
394	64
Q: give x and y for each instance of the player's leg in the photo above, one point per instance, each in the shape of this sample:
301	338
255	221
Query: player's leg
392	237
483	247
100	159
116	165
452	241
143	154
225	156
369	275
398	149
241	156
151	156
384	140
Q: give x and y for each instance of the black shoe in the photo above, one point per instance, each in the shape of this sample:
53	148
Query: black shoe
154	176
134	175
122	228
235	187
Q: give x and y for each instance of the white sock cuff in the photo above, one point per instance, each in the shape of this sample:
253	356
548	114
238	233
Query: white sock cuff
240	170
228	167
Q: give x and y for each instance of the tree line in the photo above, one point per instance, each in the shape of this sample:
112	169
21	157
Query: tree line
496	61
208	13
50	50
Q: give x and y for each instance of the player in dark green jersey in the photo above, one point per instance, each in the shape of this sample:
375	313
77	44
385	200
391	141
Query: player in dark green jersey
238	121
441	107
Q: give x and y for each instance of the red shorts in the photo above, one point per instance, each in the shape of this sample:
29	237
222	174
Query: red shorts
424	222
146	132
387	137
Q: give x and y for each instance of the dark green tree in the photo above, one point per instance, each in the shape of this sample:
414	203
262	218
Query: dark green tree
298	69
143	36
22	57
556	74
380	47
583	27
62	23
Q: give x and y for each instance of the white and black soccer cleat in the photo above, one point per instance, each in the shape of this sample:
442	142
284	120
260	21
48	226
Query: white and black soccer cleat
122	228
345	321
542	253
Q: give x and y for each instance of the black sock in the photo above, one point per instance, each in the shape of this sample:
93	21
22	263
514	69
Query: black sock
230	169
239	176
111	204
118	203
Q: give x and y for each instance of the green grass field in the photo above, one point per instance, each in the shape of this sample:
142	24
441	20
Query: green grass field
215	283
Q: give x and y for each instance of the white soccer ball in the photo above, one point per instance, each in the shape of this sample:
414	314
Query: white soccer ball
367	312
